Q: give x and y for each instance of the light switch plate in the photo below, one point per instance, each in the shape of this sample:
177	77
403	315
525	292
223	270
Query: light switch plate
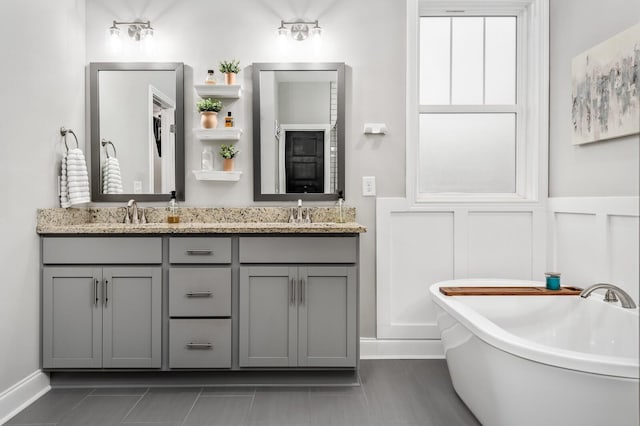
368	186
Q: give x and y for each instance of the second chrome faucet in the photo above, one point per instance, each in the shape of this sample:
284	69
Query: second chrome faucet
132	216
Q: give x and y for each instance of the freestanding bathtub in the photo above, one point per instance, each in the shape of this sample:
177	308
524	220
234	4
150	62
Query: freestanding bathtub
541	360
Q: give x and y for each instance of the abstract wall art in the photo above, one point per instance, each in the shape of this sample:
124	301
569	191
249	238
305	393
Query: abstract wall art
605	98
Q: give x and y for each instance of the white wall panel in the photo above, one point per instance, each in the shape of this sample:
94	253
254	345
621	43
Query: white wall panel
420	245
595	239
624	252
576	248
500	245
421	255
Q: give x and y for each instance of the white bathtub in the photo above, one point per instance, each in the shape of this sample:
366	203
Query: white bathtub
541	360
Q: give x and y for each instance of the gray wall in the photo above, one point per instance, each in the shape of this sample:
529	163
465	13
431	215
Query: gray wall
607	168
304	102
42	86
375	86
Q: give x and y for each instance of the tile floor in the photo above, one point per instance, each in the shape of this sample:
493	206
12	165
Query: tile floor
393	393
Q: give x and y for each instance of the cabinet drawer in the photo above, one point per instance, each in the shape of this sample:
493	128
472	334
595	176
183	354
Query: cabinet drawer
84	250
200	343
200	250
200	292
298	250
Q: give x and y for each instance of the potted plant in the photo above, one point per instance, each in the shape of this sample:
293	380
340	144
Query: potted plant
230	69
209	109
228	152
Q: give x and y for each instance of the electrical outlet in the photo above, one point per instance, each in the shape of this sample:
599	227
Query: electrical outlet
137	187
368	186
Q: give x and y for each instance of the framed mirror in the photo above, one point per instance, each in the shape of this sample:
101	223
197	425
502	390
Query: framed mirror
298	131
137	130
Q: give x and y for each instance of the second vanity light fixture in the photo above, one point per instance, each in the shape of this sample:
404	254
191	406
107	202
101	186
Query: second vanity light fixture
299	30
138	31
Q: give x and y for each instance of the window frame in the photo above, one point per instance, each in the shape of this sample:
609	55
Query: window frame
531	106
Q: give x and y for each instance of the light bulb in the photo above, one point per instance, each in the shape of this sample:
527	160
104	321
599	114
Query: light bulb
283	32
316	32
114	38
147	39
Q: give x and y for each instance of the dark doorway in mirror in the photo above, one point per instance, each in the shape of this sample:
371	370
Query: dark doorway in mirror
304	161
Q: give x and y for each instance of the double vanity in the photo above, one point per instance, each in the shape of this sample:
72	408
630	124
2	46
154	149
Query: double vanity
226	289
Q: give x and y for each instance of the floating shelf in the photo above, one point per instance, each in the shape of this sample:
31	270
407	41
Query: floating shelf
217	175
218	134
229	91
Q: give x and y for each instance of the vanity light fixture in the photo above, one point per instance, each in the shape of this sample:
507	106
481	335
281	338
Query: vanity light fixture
299	30
137	30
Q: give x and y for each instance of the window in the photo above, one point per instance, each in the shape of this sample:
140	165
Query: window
477	103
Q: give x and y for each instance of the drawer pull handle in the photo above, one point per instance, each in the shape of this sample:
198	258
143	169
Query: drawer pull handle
204	346
200	294
200	252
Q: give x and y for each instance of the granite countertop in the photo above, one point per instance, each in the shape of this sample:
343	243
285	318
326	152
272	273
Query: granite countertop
249	220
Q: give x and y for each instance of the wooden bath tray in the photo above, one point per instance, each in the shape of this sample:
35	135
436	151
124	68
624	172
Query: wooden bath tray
509	291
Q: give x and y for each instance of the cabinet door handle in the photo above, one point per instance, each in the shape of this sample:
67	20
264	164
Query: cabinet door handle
292	291
302	291
205	346
95	292
106	293
199	252
200	294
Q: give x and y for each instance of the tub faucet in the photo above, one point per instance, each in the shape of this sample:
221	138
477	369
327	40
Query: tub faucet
612	294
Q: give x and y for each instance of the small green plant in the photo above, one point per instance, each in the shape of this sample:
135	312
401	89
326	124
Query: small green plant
207	104
232	66
228	151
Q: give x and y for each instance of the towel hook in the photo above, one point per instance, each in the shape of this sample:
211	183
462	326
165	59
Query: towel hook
64	132
105	142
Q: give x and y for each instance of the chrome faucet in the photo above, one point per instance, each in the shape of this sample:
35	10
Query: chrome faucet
612	294
299	218
132	212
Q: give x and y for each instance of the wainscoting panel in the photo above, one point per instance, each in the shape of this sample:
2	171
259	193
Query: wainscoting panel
577	248
500	245
624	252
419	246
595	239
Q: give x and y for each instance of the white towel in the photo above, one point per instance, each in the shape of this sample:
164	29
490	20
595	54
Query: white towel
111	177
74	179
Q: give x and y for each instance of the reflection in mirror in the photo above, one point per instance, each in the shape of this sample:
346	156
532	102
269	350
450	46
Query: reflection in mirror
300	151
137	137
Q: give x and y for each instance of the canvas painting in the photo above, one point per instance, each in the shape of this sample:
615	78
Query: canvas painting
606	89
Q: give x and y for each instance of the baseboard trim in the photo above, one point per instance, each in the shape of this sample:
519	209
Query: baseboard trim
371	348
23	393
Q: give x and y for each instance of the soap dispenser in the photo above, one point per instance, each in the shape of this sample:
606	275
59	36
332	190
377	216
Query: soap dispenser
340	207
172	210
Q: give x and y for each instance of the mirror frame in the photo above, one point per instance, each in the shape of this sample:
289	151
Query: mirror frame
340	128
94	123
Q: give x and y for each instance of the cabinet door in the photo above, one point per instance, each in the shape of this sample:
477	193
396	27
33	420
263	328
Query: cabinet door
327	317
132	317
268	317
71	317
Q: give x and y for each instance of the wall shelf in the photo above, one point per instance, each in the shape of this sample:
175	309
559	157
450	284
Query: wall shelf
218	134
228	91
219	175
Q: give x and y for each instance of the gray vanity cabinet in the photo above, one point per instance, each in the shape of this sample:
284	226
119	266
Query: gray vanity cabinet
101	317
327	316
298	316
98	310
268	316
72	312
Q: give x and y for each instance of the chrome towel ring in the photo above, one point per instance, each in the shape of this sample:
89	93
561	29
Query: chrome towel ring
64	132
